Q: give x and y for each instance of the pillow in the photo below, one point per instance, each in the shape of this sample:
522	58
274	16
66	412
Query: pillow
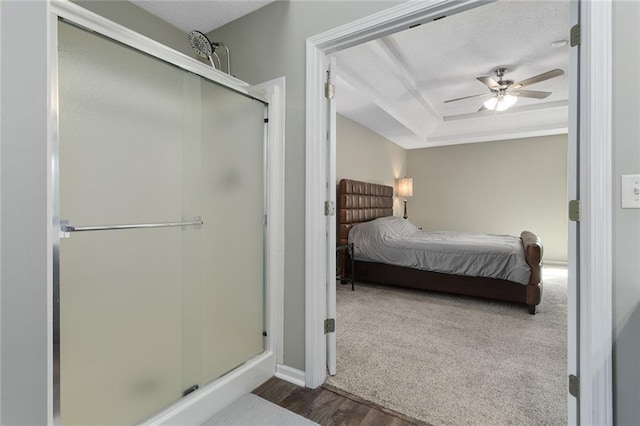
382	228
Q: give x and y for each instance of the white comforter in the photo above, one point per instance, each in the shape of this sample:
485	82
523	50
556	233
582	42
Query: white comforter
396	241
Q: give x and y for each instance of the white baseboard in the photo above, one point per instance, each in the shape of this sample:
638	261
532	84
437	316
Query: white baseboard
555	262
290	374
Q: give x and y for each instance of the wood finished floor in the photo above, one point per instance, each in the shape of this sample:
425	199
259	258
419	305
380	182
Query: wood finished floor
328	406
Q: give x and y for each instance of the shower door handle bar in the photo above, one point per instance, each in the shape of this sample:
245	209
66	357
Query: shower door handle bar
66	228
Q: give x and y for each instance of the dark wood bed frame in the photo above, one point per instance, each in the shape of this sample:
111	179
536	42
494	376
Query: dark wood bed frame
361	202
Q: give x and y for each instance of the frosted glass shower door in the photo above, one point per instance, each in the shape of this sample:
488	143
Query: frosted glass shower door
147	314
120	162
233	239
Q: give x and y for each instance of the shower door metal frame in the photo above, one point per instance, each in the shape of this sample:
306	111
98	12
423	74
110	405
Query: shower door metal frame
198	406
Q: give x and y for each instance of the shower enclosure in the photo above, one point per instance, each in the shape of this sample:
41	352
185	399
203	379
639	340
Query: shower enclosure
160	269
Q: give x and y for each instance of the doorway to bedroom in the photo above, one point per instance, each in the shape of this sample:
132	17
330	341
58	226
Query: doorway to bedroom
467	177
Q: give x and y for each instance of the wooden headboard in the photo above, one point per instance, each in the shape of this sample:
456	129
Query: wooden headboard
361	202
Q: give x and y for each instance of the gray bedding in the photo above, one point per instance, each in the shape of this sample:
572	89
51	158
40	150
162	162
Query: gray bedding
396	241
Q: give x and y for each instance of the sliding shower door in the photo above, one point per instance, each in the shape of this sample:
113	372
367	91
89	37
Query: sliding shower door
232	239
161	270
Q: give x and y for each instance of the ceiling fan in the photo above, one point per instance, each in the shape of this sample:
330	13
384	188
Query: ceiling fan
505	93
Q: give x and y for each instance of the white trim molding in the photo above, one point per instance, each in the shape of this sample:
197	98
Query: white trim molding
290	374
595	312
275	92
389	21
315	232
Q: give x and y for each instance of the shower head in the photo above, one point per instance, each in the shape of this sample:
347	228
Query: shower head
207	49
201	44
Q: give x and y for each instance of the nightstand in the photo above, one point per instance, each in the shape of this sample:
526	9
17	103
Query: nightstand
342	250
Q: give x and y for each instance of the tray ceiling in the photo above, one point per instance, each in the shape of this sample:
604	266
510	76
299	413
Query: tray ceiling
397	85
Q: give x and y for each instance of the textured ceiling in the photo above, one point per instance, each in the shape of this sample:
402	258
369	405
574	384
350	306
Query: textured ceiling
407	76
201	15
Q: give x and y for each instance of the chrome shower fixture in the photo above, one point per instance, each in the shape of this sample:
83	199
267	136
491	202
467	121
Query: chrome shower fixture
226	48
207	49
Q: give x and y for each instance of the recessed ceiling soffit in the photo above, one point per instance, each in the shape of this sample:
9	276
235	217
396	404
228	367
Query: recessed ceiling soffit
409	75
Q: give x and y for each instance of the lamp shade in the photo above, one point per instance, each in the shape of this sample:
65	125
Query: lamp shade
405	187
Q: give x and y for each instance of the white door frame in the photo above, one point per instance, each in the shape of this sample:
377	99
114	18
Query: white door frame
595	337
573	228
201	405
596	270
331	218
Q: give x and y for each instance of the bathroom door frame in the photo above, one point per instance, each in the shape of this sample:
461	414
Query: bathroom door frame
201	405
593	309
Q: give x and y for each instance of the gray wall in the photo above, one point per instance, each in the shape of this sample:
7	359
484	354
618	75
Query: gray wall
141	21
364	155
23	198
498	187
270	43
626	222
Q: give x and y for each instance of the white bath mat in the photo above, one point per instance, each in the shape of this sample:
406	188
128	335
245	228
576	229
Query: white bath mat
251	410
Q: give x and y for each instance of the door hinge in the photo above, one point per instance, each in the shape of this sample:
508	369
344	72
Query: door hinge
574	210
329	90
329	208
329	325
576	35
266	220
574	386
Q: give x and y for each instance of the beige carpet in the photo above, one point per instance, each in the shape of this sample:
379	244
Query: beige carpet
452	360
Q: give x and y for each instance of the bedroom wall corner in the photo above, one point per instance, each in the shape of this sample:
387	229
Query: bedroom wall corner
364	155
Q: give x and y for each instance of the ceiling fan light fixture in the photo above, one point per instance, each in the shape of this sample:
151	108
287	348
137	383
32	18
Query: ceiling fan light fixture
491	103
501	103
507	102
505	93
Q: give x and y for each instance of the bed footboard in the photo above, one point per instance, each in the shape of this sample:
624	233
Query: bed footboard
533	252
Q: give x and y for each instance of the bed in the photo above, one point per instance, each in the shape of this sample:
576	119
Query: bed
362	202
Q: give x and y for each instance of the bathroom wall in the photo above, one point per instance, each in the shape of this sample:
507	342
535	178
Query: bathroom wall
626	222
139	20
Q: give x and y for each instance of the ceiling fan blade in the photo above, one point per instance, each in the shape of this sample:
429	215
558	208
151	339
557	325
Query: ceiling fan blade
539	78
530	94
489	82
483	108
466	97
